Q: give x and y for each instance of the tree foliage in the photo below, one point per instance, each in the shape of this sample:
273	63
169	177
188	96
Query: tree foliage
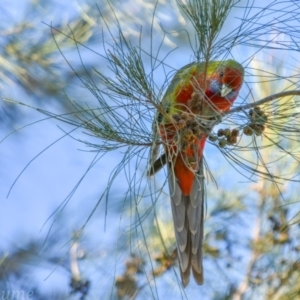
251	230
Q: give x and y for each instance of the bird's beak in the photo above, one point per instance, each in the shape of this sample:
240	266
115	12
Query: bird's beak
225	90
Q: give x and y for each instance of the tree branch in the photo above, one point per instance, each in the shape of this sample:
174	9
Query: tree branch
263	101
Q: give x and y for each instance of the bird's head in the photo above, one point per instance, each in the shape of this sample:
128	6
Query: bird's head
227	78
231	76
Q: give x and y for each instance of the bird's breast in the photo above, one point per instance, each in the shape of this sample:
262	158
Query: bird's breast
221	103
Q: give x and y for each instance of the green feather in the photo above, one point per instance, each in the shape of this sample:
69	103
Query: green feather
184	75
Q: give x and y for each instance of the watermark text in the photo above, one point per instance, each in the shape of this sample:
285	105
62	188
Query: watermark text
16	295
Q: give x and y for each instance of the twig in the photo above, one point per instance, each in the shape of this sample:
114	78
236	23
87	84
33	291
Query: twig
263	101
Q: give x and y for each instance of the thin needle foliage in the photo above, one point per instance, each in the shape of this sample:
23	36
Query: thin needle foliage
128	94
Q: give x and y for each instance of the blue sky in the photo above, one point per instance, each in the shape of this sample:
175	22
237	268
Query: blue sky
50	178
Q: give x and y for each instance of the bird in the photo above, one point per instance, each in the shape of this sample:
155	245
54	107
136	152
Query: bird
191	106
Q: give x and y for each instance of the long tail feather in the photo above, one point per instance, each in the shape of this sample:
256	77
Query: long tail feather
188	217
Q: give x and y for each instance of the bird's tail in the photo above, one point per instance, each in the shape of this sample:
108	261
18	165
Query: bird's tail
188	214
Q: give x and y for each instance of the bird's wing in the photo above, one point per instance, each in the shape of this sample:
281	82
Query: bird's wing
188	224
155	166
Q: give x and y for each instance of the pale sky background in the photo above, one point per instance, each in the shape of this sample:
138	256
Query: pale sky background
51	177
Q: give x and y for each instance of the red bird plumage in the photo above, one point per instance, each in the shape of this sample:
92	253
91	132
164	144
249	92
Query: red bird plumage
193	102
